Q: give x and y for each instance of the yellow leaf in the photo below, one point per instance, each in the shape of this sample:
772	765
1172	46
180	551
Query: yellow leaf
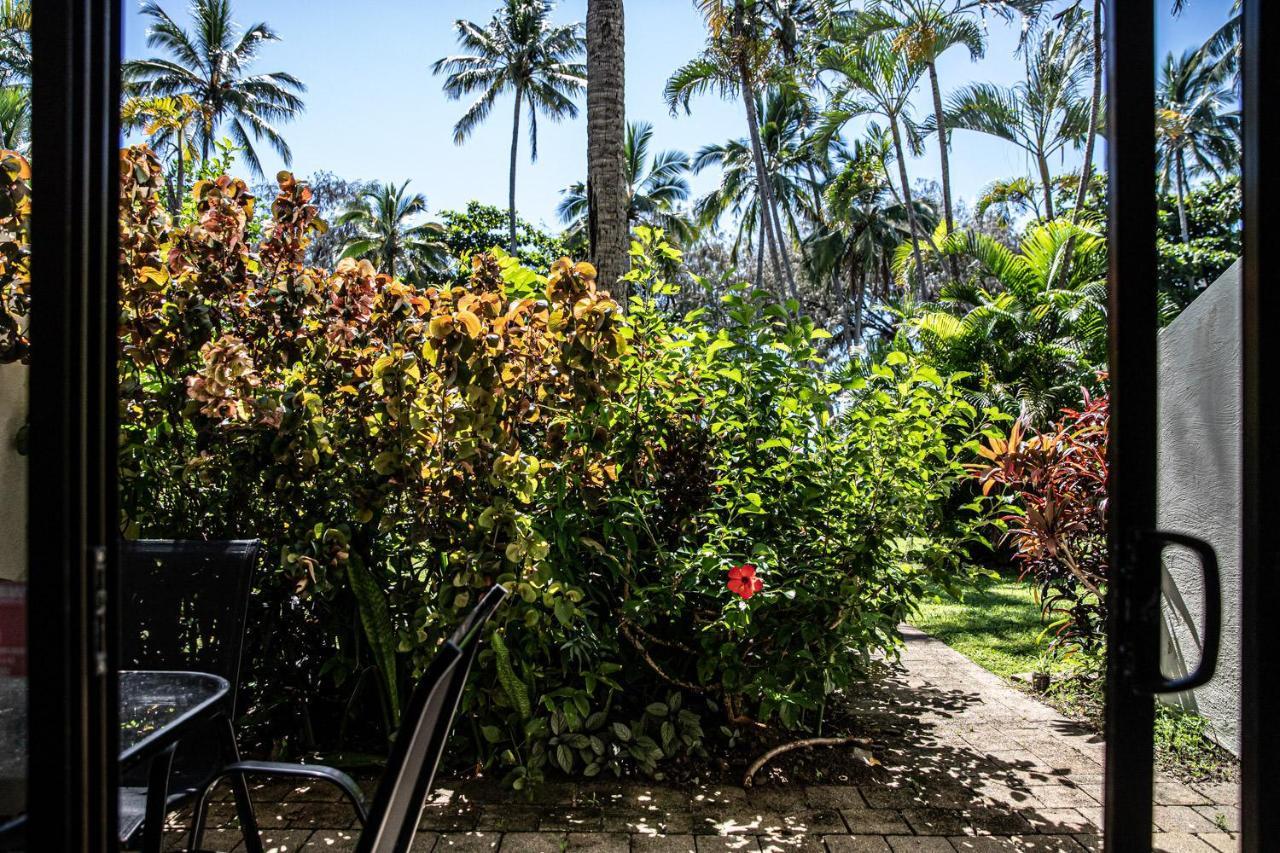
470	321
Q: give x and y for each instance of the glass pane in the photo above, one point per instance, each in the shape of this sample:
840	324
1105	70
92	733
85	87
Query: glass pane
1200	403
15	141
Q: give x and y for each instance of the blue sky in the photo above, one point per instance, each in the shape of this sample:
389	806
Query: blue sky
375	111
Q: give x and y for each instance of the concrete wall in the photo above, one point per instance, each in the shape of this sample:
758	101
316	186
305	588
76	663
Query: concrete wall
1199	491
13	473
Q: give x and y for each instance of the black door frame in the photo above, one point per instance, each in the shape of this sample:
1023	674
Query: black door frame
1133	673
1133	597
72	493
72	513
1260	557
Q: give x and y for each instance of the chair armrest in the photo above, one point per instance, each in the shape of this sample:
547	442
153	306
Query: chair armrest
319	772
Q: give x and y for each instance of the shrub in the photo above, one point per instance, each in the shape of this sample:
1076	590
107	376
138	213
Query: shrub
15	257
1056	487
830	493
704	530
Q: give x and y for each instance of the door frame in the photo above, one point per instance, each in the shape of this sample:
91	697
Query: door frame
1133	595
72	511
1260	556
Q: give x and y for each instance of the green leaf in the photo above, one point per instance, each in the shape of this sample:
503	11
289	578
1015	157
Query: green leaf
375	617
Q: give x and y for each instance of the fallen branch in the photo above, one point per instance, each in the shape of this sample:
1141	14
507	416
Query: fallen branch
653	664
803	743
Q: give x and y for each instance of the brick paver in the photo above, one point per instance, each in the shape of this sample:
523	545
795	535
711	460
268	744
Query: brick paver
969	765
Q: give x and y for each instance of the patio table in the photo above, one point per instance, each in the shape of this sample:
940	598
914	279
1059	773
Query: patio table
157	709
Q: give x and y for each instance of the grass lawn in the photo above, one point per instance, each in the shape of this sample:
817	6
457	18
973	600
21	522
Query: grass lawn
997	628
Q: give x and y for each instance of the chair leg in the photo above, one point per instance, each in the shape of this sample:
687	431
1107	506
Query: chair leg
244	802
244	810
157	800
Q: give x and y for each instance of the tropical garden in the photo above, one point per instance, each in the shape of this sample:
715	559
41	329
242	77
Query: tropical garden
719	444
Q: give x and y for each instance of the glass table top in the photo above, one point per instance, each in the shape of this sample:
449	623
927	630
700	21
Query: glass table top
154	706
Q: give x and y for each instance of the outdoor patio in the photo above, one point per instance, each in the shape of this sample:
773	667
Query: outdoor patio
969	764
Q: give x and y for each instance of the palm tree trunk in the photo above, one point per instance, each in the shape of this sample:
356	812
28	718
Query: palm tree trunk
511	188
1046	186
1095	113
859	298
181	193
772	240
760	243
908	203
1180	177
607	221
944	156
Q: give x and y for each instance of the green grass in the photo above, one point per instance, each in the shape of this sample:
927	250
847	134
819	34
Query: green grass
997	628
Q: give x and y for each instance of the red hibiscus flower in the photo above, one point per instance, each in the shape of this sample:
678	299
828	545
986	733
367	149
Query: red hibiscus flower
743	581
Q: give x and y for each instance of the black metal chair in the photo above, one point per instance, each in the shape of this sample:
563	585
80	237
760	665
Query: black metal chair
391	820
183	607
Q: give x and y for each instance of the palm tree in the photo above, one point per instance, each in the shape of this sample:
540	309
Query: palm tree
522	52
751	43
608	217
1041	114
1009	199
924	30
211	66
166	122
1224	46
1029	334
877	80
866	222
1195	131
15	43
385	234
15	119
655	187
739	192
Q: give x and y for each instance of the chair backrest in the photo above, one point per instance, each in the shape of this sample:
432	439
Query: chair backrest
424	729
184	603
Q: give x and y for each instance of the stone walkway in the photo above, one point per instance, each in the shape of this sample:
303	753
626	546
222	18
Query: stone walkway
969	764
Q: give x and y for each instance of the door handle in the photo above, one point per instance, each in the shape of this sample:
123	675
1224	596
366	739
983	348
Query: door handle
1212	613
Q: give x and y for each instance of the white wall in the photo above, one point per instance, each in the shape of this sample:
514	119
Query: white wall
13	473
1199	491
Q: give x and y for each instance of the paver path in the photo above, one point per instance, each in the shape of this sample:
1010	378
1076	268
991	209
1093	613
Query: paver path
969	764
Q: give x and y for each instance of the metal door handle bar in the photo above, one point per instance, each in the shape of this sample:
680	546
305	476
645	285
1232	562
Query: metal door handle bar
1212	613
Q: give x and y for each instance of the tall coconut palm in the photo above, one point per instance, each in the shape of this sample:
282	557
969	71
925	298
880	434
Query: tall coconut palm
1041	114
385	233
924	30
608	218
656	184
865	224
750	45
519	51
1197	132
781	139
211	65
877	79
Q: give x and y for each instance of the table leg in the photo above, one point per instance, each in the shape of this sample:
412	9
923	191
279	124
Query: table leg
157	800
